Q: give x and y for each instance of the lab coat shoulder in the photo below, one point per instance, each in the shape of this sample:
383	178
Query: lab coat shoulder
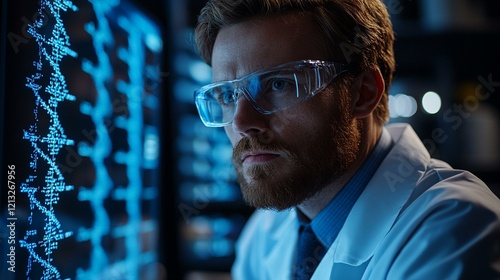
418	218
448	229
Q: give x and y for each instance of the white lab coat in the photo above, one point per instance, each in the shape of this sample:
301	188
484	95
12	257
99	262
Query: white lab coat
416	219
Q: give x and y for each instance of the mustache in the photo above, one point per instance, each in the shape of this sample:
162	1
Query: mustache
253	143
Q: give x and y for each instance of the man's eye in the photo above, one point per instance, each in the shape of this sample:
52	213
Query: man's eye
227	98
279	84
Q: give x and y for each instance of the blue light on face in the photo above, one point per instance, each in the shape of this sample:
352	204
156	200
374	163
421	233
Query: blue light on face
253	87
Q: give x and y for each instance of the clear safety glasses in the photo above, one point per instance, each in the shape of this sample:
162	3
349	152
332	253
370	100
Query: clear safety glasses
268	90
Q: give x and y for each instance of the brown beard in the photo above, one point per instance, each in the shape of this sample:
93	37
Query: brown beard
255	184
282	186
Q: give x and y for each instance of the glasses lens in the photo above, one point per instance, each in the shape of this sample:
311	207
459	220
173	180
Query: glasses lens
276	90
215	104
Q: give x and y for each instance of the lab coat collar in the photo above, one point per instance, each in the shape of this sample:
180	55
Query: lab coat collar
278	261
380	203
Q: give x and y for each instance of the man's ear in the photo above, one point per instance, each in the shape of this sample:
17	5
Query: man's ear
368	90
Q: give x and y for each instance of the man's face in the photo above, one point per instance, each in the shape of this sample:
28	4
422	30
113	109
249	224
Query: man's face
284	158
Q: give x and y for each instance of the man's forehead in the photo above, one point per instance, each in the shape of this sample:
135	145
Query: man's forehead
264	42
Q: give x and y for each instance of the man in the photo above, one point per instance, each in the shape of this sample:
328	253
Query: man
301	88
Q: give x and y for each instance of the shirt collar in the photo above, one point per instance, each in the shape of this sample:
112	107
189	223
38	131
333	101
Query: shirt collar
327	224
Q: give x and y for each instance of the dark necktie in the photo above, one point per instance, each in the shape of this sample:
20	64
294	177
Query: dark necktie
309	253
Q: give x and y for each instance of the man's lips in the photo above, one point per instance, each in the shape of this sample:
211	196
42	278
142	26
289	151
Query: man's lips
258	157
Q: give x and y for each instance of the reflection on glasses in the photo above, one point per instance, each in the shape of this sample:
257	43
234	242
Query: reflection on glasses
268	90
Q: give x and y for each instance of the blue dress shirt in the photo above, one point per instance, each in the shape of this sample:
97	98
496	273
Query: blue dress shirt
327	224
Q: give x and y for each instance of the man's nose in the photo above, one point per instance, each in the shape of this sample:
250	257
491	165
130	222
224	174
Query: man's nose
247	120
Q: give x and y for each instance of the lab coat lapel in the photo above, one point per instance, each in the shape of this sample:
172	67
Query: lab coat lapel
279	258
322	272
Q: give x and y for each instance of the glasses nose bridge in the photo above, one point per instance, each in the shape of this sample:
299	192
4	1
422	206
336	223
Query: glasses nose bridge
240	89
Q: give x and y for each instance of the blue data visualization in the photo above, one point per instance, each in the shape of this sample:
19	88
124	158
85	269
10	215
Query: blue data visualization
82	131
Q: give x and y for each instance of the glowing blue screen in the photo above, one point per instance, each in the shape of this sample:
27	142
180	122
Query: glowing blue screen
87	140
